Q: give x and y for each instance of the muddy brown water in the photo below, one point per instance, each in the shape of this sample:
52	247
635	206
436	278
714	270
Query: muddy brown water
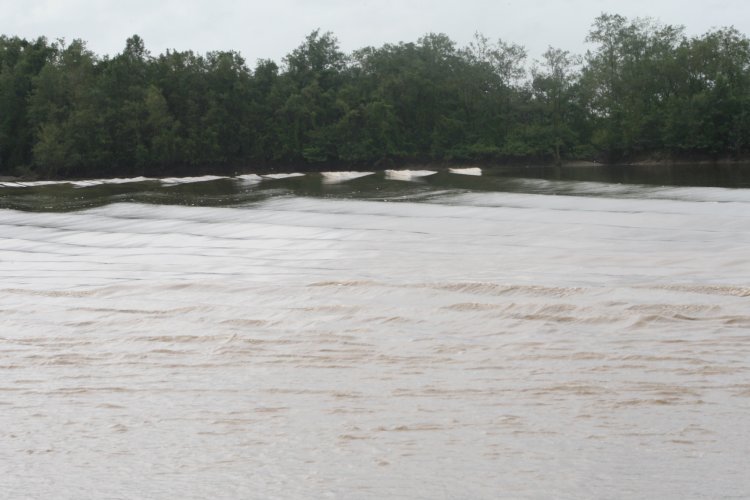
443	337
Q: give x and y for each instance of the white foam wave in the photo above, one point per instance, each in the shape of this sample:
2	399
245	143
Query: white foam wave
249	178
407	175
23	184
466	171
86	183
76	183
274	177
336	177
170	181
126	180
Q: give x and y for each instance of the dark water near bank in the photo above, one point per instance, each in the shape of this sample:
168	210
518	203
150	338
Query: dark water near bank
620	181
527	333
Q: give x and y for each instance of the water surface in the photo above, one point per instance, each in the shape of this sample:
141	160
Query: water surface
503	336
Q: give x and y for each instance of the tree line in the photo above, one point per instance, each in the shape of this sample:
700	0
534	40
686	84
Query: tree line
644	89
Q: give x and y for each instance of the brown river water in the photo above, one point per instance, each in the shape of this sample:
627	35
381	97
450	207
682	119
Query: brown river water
380	337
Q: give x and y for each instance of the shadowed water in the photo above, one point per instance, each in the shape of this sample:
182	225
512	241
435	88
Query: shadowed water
438	337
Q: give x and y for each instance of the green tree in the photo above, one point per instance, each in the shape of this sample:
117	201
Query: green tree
628	80
20	62
554	81
708	113
308	117
59	110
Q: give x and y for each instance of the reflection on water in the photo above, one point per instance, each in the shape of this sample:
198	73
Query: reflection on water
484	337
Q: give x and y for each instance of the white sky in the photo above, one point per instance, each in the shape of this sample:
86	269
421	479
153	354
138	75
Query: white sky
271	29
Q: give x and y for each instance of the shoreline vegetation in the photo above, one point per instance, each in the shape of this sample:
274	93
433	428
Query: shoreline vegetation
645	93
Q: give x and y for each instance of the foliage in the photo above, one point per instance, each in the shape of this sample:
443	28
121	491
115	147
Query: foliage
644	88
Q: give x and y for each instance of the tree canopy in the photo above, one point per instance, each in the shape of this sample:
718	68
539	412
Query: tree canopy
644	88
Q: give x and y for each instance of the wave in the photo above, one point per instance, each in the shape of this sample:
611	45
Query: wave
274	177
171	181
407	175
336	177
476	171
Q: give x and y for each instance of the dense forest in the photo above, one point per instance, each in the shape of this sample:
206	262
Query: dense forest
644	89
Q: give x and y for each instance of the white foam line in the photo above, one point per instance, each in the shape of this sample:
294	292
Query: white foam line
466	171
281	176
336	177
407	175
21	184
79	183
188	180
249	178
88	183
118	180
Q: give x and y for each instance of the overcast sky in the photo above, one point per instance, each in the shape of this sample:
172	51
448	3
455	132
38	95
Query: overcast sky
271	29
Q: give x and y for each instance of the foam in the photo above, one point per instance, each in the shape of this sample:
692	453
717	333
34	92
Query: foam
407	175
466	171
336	177
190	180
249	178
21	184
274	177
127	180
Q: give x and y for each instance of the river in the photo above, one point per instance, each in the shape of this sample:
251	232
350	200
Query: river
526	333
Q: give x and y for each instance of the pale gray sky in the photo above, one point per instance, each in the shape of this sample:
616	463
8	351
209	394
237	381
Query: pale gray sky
271	29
